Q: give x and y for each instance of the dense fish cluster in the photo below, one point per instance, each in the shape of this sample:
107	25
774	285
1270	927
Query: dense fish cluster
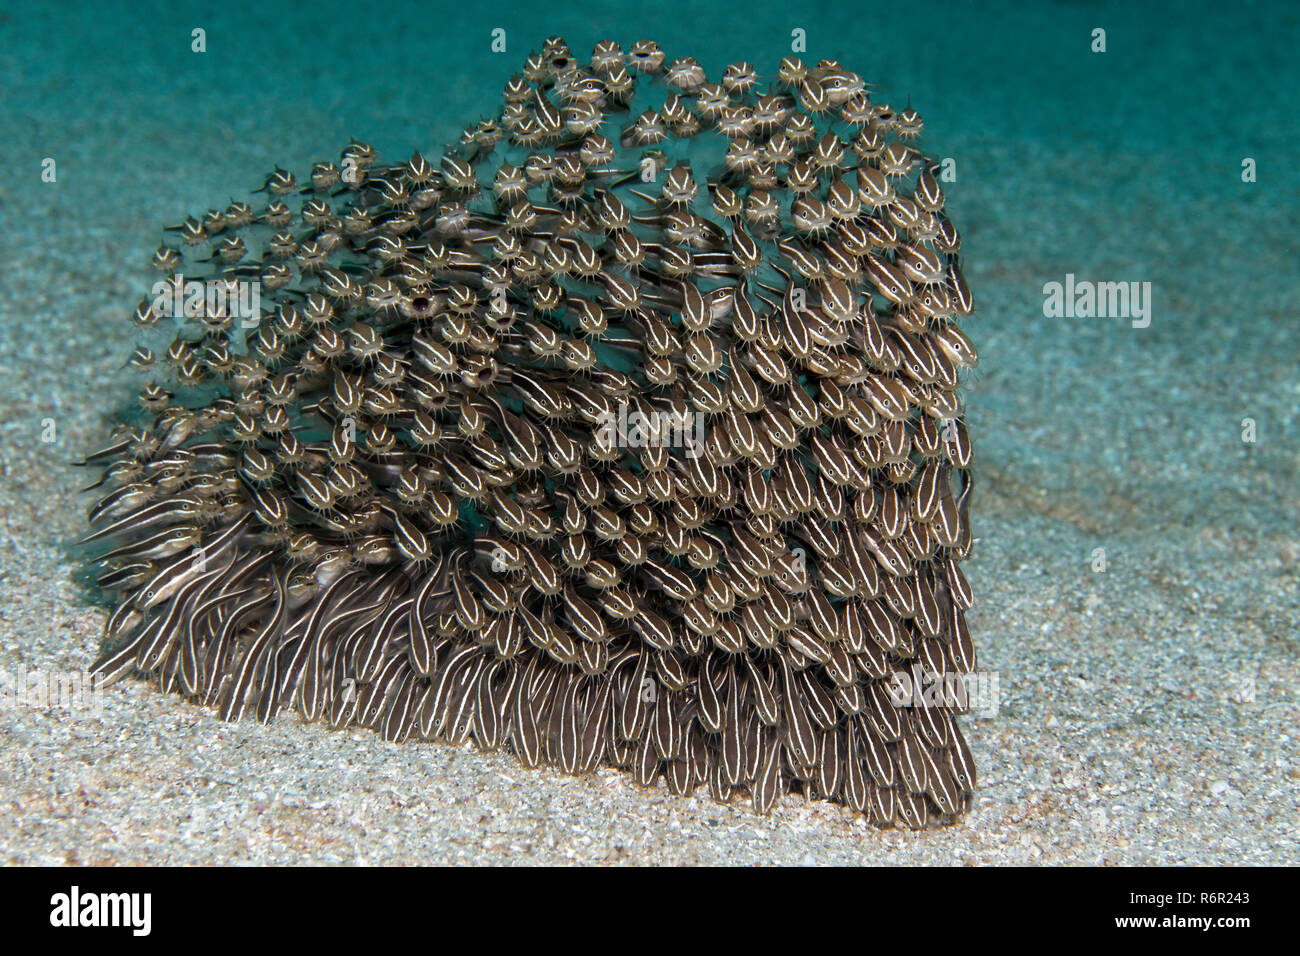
626	433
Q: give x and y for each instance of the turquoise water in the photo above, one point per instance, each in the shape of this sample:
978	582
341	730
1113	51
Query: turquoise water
1115	166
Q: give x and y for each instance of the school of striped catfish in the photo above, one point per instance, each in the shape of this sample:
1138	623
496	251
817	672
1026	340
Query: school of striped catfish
626	433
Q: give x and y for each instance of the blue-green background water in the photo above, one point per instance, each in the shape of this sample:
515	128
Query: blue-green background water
1090	434
1123	165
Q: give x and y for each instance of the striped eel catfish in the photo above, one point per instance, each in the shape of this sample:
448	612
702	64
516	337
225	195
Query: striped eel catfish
625	433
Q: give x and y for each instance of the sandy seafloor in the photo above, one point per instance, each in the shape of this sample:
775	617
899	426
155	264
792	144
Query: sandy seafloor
1148	713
